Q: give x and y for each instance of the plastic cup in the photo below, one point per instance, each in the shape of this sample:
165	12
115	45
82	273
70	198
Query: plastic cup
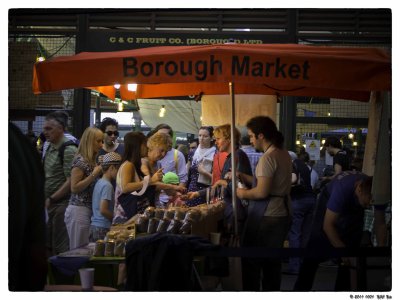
87	278
215	238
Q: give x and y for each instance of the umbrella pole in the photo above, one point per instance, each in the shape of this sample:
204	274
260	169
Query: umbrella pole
233	155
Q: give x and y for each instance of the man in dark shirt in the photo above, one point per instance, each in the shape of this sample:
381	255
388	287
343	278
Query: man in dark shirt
338	222
341	160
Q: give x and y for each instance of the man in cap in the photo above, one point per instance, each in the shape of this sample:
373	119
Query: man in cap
103	197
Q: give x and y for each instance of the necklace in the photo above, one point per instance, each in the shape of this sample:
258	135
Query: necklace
268	148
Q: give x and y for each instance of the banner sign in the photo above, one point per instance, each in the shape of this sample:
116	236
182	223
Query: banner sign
313	149
122	40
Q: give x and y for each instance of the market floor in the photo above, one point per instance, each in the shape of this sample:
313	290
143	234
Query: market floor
378	277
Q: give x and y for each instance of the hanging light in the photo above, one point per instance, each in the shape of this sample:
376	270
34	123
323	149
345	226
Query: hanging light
297	142
132	87
323	141
162	111
351	136
355	144
117	86
120	106
40	58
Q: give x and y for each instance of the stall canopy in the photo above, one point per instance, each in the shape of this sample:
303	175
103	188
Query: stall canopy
287	69
278	69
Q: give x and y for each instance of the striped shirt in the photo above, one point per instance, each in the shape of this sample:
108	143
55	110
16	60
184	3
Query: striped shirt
55	173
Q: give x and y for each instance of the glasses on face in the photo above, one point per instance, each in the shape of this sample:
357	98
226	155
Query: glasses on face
110	133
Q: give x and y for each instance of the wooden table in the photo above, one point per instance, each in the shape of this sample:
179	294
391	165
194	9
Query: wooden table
76	288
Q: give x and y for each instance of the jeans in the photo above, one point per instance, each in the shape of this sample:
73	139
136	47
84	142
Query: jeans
271	233
300	230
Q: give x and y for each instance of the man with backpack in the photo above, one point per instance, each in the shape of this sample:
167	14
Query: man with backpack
57	163
303	204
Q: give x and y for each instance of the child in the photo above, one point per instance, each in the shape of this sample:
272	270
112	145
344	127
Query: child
103	197
174	196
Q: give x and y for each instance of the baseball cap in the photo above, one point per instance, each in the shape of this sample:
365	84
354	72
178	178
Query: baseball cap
111	158
170	178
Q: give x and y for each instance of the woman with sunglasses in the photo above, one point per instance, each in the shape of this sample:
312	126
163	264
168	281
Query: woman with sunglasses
110	128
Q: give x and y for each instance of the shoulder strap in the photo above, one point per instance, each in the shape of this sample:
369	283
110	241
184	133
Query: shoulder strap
176	160
61	150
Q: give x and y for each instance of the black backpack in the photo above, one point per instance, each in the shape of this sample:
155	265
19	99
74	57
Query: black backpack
303	183
61	150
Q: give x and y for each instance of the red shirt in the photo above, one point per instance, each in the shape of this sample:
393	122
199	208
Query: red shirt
218	164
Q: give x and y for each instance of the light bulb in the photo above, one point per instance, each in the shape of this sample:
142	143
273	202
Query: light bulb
355	144
132	87
162	111
297	142
120	106
351	136
117	86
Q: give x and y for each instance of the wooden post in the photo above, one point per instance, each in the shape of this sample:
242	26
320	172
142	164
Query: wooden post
374	117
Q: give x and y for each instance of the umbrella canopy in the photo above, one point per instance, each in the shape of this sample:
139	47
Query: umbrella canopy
287	69
278	69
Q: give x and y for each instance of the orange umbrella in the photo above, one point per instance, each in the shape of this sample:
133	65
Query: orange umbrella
283	69
287	69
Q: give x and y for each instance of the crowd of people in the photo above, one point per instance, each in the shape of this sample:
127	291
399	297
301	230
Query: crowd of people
97	181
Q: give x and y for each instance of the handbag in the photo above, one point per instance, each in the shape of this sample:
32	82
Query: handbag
136	204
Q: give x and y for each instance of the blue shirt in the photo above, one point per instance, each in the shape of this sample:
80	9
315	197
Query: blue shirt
103	190
341	190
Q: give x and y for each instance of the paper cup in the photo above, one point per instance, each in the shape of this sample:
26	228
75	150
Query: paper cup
87	278
215	238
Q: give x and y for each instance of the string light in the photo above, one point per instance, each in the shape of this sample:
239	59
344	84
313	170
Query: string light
162	111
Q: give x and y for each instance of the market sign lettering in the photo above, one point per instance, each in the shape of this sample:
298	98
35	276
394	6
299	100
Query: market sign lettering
240	66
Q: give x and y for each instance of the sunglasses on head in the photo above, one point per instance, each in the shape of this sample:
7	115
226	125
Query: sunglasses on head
110	133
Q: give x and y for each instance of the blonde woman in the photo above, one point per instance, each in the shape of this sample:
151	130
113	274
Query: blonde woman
84	174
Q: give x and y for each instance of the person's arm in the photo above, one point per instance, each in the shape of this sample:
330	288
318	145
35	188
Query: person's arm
58	195
245	178
164	186
104	210
260	191
329	228
338	169
181	170
128	175
79	182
